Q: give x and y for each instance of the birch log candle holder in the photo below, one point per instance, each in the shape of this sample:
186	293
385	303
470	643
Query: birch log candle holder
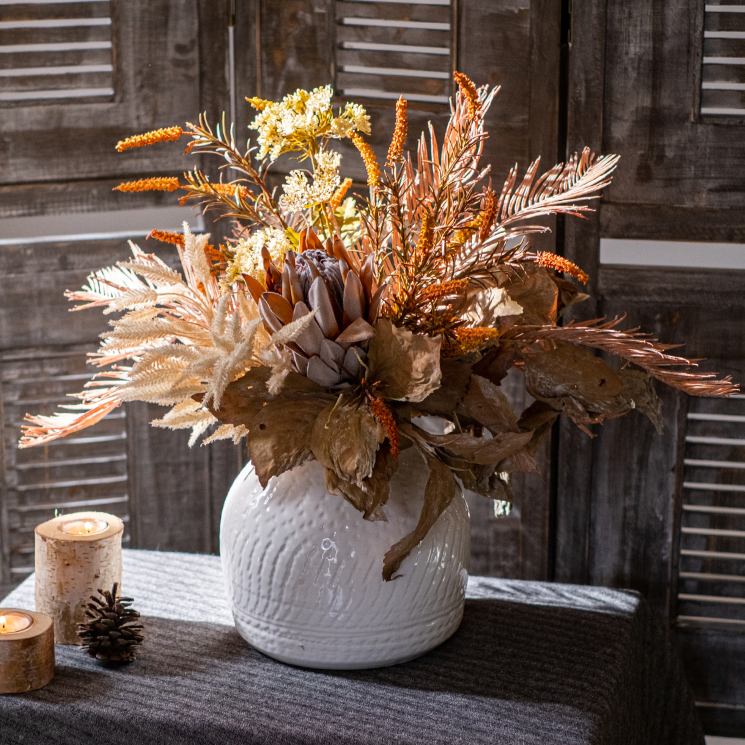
26	650
76	555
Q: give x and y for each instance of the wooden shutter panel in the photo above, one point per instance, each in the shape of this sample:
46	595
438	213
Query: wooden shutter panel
723	63
60	52
88	471
384	50
166	62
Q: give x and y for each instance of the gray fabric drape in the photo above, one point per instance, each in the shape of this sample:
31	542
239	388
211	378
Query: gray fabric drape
531	663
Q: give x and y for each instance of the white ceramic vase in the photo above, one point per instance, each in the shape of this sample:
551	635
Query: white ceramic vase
303	570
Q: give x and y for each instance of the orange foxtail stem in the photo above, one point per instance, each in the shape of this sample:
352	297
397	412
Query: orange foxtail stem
469	91
368	156
396	149
560	264
161	183
169	134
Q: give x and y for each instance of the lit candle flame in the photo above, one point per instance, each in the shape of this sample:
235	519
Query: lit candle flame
2	622
88	527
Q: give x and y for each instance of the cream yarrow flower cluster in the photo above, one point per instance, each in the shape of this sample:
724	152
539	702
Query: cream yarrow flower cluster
303	116
352	118
247	253
299	194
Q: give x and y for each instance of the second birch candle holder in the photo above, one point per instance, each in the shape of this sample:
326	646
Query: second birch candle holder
26	650
76	555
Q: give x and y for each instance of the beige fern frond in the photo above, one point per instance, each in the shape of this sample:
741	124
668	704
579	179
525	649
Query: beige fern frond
280	363
185	415
104	286
156	328
227	432
197	431
233	361
292	331
133	300
43	429
165	393
151	268
195	257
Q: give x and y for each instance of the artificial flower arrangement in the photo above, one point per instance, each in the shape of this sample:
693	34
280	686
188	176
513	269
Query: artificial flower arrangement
328	326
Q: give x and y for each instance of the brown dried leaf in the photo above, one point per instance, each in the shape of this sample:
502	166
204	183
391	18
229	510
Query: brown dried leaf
279	435
372	494
521	461
538	418
456	375
279	427
639	393
345	440
481	450
485	403
484	306
406	364
534	289
244	398
439	492
568	294
486	482
496	363
572	380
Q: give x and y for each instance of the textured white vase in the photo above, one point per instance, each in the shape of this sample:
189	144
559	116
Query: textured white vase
303	570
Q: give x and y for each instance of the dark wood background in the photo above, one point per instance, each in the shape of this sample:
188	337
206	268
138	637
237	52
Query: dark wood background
621	76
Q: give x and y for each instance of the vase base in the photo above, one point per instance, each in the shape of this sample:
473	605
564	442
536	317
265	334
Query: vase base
336	650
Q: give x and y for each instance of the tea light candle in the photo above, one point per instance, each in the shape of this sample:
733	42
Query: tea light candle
84	527
26	650
76	555
14	621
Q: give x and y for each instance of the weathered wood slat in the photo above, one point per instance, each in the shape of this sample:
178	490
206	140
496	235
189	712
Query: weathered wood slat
41	11
71	82
65	35
394	11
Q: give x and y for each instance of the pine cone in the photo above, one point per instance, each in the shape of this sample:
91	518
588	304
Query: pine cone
112	633
322	277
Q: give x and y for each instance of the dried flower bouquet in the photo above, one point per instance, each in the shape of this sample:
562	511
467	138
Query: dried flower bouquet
326	328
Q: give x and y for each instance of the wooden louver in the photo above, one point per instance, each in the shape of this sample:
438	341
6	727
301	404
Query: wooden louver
86	471
386	49
723	69
712	540
55	53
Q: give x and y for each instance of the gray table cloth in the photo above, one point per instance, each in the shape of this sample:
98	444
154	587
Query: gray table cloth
531	663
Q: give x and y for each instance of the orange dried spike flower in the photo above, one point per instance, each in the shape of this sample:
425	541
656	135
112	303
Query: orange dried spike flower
426	236
339	194
560	264
228	190
216	257
190	146
467	340
161	183
396	150
487	214
453	287
462	235
383	414
169	134
165	236
176	239
258	103
469	91
368	156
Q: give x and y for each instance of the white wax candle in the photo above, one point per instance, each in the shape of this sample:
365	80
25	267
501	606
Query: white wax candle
11	622
88	526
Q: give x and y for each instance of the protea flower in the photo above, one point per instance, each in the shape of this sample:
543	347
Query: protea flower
321	277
